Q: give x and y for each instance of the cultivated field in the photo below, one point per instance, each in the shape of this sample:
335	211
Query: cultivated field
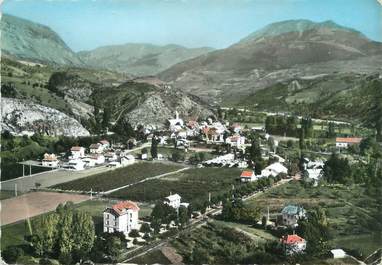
118	177
34	203
192	185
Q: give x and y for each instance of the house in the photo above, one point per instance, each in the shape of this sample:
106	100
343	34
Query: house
345	142
338	253
247	176
314	170
111	156
293	244
88	162
98	159
127	160
236	128
77	152
121	217
173	200
235	140
291	214
213	135
105	144
49	160
75	164
274	170
96	148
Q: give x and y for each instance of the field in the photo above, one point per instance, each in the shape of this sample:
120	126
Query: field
192	185
34	203
153	257
118	177
350	211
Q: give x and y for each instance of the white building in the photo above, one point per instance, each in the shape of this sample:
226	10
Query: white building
345	142
291	214
173	200
235	140
314	170
75	164
96	148
338	253
121	217
89	162
176	123
274	170
77	152
247	176
127	160
293	244
50	160
105	144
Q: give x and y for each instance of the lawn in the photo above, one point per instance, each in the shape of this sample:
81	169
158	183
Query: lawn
153	257
192	185
349	211
118	177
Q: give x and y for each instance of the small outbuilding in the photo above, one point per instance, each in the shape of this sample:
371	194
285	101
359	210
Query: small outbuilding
338	253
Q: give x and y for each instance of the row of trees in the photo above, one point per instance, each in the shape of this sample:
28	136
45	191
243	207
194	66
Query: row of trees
236	210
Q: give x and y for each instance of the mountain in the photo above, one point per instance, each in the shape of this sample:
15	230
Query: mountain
138	58
26	40
21	116
276	53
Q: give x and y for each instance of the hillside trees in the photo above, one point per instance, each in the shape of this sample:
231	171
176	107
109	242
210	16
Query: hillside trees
374	116
337	170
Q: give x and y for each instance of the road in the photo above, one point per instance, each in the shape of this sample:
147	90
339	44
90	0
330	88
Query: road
54	177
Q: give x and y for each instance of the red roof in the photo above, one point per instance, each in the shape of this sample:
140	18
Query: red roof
104	142
350	140
246	174
292	239
76	148
119	207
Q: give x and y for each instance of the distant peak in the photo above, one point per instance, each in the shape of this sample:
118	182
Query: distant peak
294	25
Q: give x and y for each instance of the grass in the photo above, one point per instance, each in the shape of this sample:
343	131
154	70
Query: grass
349	211
153	257
192	185
118	177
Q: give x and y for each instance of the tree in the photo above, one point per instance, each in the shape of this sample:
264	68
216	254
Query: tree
374	116
11	254
106	118
183	216
154	147
337	170
145	228
134	233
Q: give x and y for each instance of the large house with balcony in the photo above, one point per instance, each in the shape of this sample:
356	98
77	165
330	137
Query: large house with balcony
121	217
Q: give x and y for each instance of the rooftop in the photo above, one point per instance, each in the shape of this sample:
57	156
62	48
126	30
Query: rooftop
292	239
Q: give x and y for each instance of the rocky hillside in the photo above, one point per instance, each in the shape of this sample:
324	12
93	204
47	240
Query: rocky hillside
24	39
139	58
21	116
276	53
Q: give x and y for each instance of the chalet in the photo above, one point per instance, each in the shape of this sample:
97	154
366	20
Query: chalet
50	160
274	170
247	176
293	244
345	142
96	148
291	214
173	200
77	152
121	217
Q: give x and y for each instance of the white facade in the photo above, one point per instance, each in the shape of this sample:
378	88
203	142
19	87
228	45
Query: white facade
121	217
235	141
291	214
76	164
96	149
77	152
338	253
173	201
50	160
274	170
127	160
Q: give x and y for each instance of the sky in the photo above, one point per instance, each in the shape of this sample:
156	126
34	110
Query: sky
87	24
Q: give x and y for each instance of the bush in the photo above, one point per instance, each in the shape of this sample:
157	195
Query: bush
135	241
134	233
65	258
145	228
12	253
45	261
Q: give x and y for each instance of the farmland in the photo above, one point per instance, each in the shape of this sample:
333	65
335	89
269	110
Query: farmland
118	177
193	185
349	210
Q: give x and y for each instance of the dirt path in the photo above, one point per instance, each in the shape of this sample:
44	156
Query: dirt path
34	203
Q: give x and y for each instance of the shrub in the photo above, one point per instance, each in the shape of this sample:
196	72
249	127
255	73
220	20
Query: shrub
12	253
65	258
134	233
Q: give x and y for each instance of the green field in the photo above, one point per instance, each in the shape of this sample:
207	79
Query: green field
349	210
192	185
153	257
118	177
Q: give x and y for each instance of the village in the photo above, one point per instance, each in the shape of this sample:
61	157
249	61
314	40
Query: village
250	163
